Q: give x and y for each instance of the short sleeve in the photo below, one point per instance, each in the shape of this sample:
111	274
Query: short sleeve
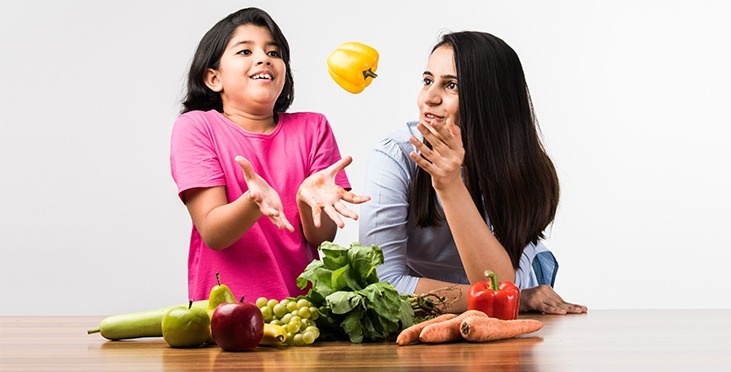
537	266
193	159
327	153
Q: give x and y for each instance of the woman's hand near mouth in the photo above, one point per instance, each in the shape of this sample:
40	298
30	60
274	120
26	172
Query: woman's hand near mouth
444	157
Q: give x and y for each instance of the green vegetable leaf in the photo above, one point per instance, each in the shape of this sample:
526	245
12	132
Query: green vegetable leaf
342	302
384	300
351	299
352	325
333	255
338	277
364	260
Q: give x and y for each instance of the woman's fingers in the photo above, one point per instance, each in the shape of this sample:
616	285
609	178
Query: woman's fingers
545	299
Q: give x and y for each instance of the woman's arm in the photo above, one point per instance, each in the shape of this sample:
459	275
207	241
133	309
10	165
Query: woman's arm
478	248
542	298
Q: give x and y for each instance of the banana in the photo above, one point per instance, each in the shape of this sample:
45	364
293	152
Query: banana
274	335
138	324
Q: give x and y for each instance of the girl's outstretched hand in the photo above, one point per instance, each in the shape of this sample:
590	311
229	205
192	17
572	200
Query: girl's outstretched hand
544	299
443	161
264	196
320	192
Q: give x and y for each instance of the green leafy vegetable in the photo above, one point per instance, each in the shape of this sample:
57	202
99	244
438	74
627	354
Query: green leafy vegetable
352	302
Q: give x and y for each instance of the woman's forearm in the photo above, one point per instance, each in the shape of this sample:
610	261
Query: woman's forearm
478	248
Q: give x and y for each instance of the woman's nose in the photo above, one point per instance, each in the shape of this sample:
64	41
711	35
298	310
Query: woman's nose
432	97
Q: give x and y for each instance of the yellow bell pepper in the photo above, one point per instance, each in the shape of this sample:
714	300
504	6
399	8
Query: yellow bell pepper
352	65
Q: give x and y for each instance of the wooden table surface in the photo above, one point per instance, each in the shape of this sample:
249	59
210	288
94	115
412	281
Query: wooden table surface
616	340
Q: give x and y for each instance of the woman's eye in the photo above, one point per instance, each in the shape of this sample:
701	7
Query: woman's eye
244	52
274	53
451	85
427	81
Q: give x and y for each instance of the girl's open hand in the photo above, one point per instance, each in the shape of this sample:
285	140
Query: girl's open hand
443	161
544	299
320	192
264	196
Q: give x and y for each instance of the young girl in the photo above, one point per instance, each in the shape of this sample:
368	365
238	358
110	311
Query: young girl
469	186
245	168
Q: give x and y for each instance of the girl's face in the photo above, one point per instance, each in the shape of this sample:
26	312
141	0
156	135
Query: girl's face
251	73
438	100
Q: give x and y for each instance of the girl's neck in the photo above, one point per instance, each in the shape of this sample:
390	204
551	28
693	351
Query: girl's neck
262	124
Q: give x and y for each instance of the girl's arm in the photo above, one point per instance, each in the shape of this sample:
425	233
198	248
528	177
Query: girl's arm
221	223
478	248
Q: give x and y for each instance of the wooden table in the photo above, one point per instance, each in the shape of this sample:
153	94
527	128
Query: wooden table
616	340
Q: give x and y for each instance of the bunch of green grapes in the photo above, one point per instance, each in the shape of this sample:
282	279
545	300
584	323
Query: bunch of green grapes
297	316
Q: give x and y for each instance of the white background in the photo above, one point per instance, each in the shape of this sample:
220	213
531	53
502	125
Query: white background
632	97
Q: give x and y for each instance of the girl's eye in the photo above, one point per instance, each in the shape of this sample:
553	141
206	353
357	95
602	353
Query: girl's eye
244	52
451	85
427	81
274	53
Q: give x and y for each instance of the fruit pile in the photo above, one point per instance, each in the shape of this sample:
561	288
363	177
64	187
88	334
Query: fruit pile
295	315
234	325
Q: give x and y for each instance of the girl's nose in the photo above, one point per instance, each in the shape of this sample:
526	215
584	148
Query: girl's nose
262	57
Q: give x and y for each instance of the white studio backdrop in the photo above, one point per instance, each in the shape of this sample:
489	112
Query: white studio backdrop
632	98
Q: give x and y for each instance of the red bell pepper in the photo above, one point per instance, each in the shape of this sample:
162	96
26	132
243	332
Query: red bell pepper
497	300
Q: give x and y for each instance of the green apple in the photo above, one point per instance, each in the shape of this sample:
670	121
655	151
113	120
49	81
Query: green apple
186	327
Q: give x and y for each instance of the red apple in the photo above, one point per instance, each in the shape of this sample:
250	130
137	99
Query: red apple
237	326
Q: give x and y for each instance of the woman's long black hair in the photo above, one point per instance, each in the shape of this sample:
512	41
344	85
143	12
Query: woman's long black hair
211	48
509	175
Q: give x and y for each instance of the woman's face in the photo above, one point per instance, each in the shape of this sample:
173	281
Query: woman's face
251	73
438	100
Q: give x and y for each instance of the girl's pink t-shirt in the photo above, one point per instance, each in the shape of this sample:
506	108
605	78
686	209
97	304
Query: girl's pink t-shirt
266	261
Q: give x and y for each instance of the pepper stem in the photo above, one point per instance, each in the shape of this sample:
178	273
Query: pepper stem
368	73
494	284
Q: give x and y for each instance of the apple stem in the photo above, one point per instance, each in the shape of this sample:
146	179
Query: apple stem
218	278
242	299
190	304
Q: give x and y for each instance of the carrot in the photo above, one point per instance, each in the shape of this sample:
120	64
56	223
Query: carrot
476	329
447	330
411	334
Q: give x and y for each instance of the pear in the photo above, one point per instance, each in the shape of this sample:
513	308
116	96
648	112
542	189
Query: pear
220	294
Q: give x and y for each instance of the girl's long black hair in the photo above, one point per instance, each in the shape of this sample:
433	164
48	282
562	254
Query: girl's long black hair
507	171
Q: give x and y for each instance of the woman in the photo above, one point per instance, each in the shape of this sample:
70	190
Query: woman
469	186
